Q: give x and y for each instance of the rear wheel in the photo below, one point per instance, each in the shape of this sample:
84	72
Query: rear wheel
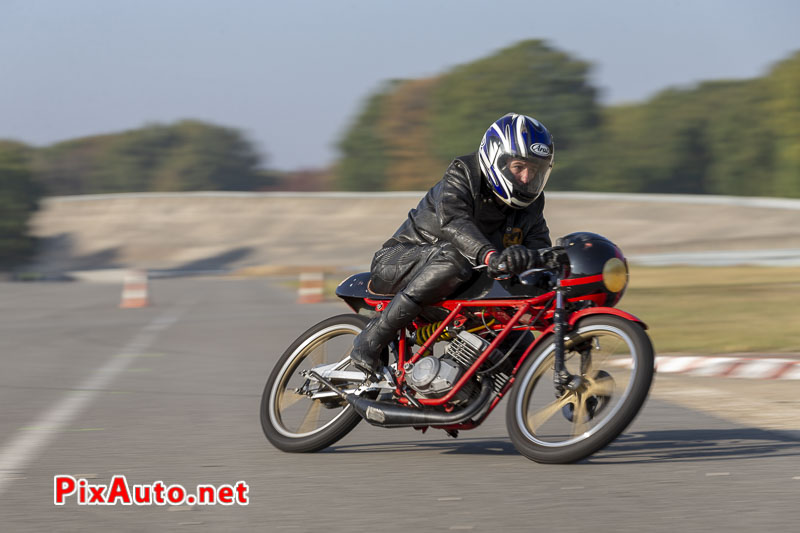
612	360
297	413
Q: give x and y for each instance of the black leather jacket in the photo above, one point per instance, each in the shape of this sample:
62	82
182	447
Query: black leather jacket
463	210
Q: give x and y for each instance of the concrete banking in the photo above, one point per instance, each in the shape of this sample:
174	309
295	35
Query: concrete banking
217	230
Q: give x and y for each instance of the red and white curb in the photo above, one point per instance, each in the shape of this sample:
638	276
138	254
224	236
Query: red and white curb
729	367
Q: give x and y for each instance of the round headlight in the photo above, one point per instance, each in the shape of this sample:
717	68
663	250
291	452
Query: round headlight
615	274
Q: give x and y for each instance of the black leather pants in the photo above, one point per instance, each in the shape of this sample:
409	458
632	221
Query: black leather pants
426	274
416	276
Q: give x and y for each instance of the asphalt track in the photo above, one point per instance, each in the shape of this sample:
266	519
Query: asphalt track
171	392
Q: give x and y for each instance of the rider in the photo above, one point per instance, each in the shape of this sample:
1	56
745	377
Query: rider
486	210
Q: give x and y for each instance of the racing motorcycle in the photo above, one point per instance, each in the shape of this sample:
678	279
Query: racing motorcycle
576	370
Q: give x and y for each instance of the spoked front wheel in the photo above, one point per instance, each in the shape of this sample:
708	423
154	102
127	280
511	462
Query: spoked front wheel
611	361
298	414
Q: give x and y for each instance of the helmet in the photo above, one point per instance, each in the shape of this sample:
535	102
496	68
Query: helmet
516	137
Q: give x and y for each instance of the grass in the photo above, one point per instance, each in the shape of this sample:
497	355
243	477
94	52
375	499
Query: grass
717	309
707	310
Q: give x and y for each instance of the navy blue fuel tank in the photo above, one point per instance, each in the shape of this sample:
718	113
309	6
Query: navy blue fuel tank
355	289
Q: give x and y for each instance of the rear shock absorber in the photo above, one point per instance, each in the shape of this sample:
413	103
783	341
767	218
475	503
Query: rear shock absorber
424	333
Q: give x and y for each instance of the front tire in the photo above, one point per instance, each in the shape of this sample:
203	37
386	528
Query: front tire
295	422
613	359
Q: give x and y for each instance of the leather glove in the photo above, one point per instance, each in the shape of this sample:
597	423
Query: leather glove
554	258
515	259
518	258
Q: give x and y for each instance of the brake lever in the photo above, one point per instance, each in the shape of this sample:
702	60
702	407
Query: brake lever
501	278
534	271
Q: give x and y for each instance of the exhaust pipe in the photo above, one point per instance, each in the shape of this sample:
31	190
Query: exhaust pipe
391	415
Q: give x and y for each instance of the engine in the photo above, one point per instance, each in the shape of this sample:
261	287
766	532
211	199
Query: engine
433	377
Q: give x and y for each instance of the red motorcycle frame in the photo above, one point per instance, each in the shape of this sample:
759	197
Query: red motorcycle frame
544	306
566	317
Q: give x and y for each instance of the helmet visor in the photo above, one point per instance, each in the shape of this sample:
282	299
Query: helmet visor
528	175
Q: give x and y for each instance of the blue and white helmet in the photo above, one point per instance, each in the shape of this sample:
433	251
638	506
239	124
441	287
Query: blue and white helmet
516	137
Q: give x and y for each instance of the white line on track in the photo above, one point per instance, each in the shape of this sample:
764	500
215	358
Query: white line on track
22	449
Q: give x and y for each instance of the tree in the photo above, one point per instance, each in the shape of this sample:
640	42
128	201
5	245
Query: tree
189	155
19	198
410	130
206	157
707	139
783	105
404	126
740	142
68	167
364	159
529	78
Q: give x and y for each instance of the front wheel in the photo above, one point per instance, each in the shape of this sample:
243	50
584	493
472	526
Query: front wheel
612	361
297	413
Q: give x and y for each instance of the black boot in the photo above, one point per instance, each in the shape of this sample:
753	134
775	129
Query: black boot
379	332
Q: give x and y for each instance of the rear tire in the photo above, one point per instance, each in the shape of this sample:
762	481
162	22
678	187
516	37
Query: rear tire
614	386
280	404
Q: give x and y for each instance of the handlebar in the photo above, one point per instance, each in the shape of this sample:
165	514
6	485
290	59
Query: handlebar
522	275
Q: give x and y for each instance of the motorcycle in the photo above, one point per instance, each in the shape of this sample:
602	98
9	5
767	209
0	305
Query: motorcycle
576	369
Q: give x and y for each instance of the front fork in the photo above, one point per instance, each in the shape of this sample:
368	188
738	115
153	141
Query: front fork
562	379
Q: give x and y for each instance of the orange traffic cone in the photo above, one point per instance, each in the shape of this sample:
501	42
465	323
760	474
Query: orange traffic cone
310	291
134	289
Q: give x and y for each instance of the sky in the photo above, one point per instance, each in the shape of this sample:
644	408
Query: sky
292	75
